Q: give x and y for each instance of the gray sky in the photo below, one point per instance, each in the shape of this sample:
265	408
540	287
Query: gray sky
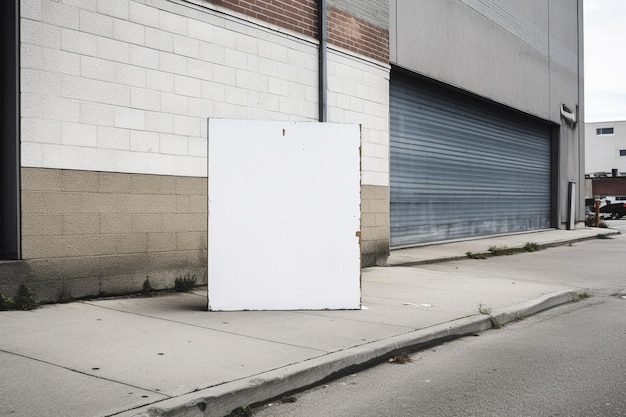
605	60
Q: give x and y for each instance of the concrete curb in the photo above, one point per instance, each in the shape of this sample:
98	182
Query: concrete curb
219	401
602	232
506	315
429	261
520	248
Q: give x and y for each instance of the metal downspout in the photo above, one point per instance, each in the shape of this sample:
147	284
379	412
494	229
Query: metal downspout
323	76
581	131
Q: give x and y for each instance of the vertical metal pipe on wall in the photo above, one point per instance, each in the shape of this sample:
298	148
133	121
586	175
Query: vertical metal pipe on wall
323	78
580	117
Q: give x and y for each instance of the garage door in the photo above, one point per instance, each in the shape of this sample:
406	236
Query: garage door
463	167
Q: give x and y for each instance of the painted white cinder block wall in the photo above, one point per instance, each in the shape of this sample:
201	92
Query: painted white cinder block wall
126	87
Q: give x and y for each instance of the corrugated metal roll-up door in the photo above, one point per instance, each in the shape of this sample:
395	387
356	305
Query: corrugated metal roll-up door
462	167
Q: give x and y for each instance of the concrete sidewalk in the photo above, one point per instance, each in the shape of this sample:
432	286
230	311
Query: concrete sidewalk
167	356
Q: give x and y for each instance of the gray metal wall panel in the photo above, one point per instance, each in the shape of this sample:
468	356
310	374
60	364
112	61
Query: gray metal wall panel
462	168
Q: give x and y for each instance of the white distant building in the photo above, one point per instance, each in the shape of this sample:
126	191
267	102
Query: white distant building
605	148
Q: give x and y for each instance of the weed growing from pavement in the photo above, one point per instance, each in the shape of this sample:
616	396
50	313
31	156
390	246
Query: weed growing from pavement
6	303
495	325
401	358
484	309
26	299
243	411
185	283
147	287
501	250
582	296
531	247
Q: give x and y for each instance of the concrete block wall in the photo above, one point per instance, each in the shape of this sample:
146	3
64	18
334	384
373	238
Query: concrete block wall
375	225
114	106
102	233
129	88
368	93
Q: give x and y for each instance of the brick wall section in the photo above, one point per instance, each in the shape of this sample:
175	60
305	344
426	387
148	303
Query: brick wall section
357	35
375	12
344	30
609	186
297	15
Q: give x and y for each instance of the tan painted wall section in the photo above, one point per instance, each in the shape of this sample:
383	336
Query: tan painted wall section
96	233
81	213
374	225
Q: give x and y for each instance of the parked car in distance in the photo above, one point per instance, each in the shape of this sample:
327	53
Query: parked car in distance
616	210
590	213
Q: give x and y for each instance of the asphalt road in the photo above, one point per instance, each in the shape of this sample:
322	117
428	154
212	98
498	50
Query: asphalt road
619	225
568	361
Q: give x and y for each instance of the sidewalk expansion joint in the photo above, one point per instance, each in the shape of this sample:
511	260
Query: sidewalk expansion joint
87	374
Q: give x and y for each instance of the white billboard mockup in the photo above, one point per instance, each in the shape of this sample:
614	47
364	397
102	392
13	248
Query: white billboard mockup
284	215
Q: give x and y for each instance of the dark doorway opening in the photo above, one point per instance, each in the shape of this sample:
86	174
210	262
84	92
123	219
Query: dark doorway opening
9	136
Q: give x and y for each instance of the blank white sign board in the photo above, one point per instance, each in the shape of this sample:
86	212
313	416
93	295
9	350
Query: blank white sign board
284	215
